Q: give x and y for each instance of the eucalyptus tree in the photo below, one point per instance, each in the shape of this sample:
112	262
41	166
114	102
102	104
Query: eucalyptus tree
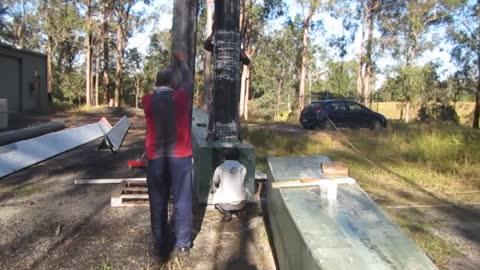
309	9
365	61
60	23
405	28
125	20
465	34
18	20
254	15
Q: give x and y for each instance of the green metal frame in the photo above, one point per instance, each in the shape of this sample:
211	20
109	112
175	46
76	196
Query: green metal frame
351	232
206	158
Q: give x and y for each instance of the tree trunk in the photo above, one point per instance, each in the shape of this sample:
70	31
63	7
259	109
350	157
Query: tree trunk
303	69
88	41
88	72
243	85
247	92
407	112
371	9
49	66
97	72
207	74
21	27
277	105
119	65
184	30
106	56
476	113
279	89
137	88
366	84
361	57
365	62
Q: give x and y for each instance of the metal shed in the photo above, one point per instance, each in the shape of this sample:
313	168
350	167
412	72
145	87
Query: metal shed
23	79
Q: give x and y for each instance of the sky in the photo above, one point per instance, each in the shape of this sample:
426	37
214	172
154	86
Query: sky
162	9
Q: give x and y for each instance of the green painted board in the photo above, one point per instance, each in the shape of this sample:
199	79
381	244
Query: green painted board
206	158
348	233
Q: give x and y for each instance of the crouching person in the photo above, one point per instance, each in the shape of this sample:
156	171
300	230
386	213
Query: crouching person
228	185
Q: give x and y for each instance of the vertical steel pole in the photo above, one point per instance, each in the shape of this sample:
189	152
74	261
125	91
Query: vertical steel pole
227	70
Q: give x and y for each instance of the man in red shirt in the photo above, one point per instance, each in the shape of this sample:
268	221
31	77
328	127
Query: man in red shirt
168	146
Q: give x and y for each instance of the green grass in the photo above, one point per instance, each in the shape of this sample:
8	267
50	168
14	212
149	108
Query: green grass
436	248
415	164
393	110
69	108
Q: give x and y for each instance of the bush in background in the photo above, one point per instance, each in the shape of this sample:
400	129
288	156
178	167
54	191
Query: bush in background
438	112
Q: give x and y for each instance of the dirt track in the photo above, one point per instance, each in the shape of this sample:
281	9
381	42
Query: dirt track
47	222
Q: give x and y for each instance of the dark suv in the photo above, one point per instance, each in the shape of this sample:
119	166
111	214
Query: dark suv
343	113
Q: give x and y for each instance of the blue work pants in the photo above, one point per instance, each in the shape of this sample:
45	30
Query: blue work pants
164	174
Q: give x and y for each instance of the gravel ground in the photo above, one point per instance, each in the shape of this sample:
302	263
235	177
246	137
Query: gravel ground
47	222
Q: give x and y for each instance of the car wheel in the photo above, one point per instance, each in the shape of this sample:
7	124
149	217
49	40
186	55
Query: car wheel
375	125
308	127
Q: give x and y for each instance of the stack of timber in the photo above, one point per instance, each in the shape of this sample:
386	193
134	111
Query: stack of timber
348	232
130	193
334	168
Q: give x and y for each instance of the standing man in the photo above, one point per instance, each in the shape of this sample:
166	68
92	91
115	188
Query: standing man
168	146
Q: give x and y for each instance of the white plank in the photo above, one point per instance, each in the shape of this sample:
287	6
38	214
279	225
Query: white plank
299	183
108	180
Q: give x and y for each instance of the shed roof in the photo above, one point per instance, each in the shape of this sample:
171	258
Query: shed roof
10	47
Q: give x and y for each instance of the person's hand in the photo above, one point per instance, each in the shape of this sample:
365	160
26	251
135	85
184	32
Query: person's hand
179	55
210	37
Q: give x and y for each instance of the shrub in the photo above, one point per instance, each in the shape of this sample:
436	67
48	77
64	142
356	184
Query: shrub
438	112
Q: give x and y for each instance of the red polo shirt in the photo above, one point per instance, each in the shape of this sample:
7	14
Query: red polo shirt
168	123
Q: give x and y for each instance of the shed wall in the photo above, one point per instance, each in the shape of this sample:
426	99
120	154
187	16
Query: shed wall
23	80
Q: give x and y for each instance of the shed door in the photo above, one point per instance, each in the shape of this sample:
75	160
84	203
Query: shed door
10	82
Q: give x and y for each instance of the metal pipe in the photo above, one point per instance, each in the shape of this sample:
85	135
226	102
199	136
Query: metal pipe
30	132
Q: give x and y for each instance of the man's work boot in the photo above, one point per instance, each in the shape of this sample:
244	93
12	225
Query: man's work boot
159	255
227	216
182	252
242	214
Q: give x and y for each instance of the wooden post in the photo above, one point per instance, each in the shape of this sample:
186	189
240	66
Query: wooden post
184	29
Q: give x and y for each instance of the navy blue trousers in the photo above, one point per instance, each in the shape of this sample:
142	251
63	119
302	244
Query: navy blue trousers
164	174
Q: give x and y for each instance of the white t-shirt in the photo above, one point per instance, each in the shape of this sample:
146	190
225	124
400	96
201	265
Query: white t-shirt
230	176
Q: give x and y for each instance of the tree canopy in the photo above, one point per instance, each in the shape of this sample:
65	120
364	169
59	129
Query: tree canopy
300	50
